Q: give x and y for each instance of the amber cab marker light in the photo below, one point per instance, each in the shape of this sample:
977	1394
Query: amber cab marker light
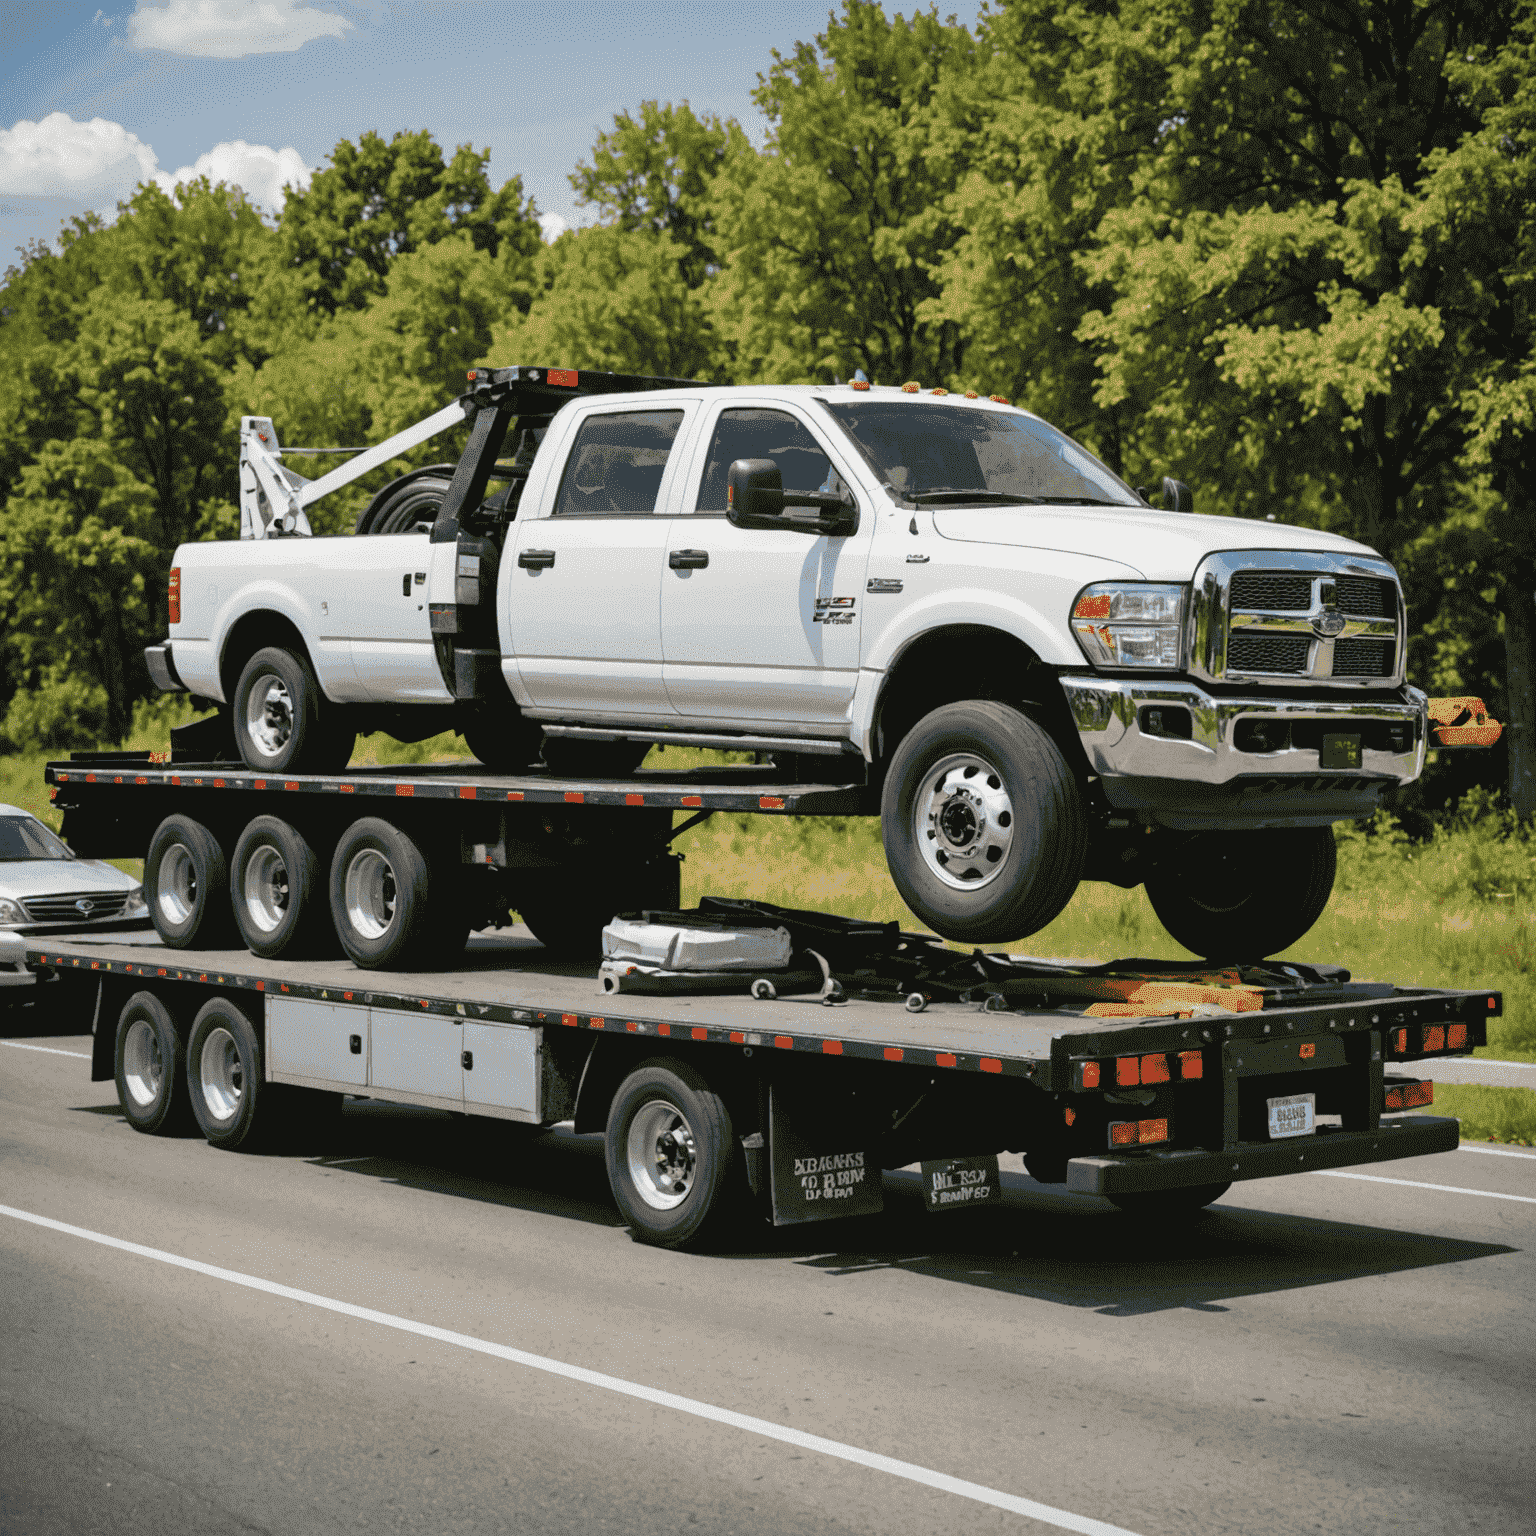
1094	607
1434	1037
1127	1071
1071	1115
1154	1069
1400	1041
173	594
1122	1133
1456	1037
1089	1073
1191	1065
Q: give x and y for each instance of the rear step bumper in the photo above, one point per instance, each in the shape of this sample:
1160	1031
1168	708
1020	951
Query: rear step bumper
1399	1136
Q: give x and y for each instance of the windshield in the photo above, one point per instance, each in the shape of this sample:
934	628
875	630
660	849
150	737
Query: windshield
24	837
934	454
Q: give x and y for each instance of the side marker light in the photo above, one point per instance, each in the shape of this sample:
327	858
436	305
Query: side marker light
1191	1065
1089	1073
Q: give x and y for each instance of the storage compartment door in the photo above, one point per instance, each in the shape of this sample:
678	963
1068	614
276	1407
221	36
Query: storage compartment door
415	1057
314	1044
501	1071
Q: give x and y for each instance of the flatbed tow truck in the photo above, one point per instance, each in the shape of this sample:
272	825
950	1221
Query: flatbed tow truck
1152	1084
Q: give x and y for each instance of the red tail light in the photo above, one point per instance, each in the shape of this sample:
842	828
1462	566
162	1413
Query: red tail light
1408	1095
1088	1074
1154	1069
173	594
564	377
1434	1037
1131	1133
1191	1064
1456	1037
1127	1071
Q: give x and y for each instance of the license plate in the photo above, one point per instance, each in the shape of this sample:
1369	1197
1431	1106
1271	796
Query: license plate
1341	751
953	1183
1295	1116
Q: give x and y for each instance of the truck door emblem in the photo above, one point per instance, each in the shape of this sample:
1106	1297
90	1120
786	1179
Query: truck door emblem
882	584
834	610
917	559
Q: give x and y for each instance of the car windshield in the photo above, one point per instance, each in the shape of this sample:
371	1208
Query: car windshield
25	837
937	454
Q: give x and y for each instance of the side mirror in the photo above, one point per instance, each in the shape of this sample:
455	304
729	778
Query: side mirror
1177	497
755	498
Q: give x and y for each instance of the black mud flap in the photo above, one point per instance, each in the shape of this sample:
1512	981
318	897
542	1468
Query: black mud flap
818	1172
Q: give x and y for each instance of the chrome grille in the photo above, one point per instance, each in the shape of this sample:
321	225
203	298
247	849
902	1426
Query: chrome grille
1272	589
1311	618
66	908
1268	653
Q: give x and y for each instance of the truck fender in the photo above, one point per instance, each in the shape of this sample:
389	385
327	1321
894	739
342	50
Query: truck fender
267	595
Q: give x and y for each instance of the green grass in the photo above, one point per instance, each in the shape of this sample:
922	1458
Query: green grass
1489	1114
1456	911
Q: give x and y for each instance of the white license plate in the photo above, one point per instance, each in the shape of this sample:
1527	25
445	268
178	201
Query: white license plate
1295	1116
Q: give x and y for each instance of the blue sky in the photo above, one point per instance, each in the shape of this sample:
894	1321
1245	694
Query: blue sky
94	98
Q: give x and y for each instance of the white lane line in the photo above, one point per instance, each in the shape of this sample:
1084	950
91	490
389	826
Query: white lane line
1061	1518
1445	1189
1530	1157
52	1050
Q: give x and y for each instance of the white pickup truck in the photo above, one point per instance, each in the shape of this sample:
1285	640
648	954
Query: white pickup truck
1040	676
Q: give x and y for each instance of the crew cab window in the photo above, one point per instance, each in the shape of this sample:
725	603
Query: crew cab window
763	434
617	462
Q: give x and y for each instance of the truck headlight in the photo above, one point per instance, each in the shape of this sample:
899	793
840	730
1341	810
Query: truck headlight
1130	624
11	914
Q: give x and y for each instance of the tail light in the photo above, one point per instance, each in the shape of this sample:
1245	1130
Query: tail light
1191	1065
1133	1133
173	594
1408	1095
1154	1069
1087	1074
1433	1038
1455	1037
1127	1071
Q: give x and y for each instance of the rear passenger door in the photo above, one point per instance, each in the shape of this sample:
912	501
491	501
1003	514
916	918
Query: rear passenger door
585	594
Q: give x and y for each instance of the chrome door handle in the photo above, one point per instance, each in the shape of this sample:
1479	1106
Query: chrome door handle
536	559
688	559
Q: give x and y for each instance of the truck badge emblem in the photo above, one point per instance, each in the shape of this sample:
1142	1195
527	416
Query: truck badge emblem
85	906
1329	625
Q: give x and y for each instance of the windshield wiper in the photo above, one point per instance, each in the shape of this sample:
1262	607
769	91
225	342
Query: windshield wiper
954	493
1087	501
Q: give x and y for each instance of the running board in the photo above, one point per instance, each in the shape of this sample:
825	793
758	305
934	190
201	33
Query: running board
695	739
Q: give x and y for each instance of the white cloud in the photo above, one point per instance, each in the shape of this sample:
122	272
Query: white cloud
101	162
553	226
231	29
59	156
260	171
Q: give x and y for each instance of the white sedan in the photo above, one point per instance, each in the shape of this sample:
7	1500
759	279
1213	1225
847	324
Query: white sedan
44	888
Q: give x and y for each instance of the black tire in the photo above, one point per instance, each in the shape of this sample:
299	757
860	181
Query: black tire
1004	832
386	911
1237	896
1163	1204
283	723
151	1068
665	1108
503	741
278	892
186	885
233	1103
572	757
412	509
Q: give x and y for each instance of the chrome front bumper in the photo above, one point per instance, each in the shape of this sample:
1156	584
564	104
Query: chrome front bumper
1140	766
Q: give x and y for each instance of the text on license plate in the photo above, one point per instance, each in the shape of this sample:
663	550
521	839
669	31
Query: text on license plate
1294	1116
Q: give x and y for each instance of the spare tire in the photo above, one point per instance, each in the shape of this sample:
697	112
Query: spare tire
412	509
393	497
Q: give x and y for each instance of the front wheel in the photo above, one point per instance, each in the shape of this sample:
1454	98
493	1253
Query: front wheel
983	823
1236	896
672	1158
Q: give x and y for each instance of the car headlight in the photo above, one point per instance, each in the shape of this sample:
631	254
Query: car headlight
1130	624
135	904
11	913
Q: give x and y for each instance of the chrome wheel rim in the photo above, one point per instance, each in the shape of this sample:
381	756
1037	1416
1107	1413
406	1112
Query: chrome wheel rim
661	1155
176	885
265	889
269	714
370	894
220	1074
143	1063
963	822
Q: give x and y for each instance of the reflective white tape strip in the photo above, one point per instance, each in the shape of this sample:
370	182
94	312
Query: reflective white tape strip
1445	1189
52	1050
1062	1519
1530	1157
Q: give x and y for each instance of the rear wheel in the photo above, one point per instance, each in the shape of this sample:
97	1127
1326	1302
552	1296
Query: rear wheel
672	1158
279	893
229	1098
983	823
391	908
151	1068
186	885
282	720
1244	895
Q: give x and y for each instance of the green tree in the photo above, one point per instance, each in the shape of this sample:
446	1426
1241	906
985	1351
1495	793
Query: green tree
830	240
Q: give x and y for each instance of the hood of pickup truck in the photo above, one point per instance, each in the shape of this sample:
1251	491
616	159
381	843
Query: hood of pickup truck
1163	546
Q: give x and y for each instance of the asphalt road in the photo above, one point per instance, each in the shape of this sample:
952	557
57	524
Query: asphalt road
1316	1354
